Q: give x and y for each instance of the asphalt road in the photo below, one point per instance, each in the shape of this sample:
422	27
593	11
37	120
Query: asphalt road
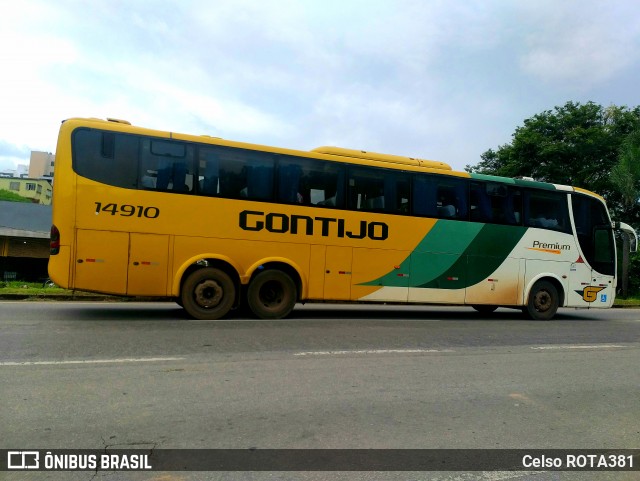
141	375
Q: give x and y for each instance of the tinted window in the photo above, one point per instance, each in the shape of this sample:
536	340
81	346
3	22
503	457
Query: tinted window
440	196
377	190
166	165
495	203
546	210
310	182
235	173
594	233
106	157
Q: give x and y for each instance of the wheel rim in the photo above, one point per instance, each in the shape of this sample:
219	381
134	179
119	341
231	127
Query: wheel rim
208	294
542	301
271	294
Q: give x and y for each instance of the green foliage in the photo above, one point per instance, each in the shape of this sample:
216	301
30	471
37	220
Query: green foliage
22	285
12	197
634	270
30	289
626	173
583	145
576	144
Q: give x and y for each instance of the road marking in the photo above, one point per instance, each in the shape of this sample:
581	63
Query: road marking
598	346
92	361
371	351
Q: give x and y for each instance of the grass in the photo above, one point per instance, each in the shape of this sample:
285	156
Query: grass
12	196
627	302
34	289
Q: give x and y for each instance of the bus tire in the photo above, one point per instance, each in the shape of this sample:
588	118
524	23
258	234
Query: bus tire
484	308
543	301
208	294
272	294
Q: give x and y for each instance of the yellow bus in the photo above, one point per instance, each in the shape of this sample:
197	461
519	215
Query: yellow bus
217	225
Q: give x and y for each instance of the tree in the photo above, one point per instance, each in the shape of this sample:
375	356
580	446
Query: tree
584	145
625	175
576	144
626	178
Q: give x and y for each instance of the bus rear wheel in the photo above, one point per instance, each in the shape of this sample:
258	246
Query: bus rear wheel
272	294
543	301
208	293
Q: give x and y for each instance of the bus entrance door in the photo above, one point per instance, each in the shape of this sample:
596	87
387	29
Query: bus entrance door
101	261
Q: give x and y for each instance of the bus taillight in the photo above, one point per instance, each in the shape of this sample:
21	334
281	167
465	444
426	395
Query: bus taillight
54	242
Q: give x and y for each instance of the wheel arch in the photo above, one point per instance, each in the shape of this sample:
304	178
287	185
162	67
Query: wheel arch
285	265
223	263
557	282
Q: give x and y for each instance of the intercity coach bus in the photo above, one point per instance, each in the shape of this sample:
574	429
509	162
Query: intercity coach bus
217	225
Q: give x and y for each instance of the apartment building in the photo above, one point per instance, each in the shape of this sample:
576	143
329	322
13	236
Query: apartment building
41	164
38	190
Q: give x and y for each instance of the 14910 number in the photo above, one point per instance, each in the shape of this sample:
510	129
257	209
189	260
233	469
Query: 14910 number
126	210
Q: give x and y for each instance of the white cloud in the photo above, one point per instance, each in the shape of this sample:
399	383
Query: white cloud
579	45
438	79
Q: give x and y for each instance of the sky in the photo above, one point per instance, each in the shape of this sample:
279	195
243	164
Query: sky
443	80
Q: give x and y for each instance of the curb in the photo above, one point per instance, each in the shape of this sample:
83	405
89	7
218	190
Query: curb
77	297
107	298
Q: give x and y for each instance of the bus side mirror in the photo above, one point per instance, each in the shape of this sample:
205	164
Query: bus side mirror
626	229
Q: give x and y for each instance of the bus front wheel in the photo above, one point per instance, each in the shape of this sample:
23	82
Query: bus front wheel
208	293
484	308
272	294
543	301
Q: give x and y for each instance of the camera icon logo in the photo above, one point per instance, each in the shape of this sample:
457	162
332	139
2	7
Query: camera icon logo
23	460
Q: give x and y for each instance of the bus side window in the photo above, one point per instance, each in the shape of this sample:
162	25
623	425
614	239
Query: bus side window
513	207
495	203
451	198
546	210
260	182
106	157
164	165
208	172
329	178
366	189
375	190
232	175
310	182
289	189
480	203
396	193
424	196
244	174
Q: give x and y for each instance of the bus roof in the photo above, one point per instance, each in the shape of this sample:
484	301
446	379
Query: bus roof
354	156
394	159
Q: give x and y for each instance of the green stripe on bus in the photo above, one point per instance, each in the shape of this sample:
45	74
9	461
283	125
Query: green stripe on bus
435	254
519	182
493	178
484	255
455	255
